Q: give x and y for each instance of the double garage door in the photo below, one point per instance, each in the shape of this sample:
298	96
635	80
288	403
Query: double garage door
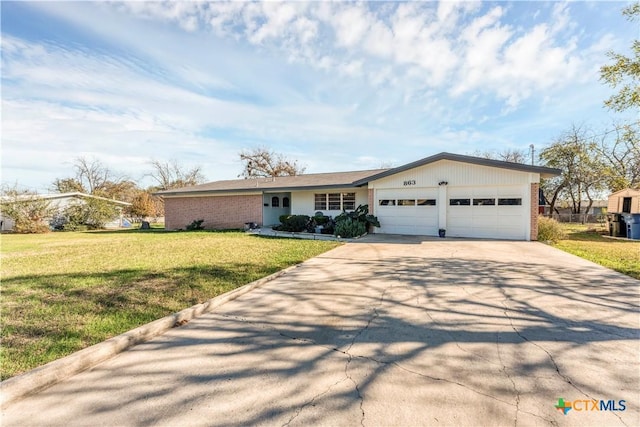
480	212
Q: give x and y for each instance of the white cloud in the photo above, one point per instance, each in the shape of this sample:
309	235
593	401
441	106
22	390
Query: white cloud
212	78
278	17
351	24
456	46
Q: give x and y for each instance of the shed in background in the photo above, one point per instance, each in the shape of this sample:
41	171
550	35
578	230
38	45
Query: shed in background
624	201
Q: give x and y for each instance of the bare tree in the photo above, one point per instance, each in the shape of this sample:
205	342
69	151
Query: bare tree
93	177
507	155
261	162
173	175
621	155
92	174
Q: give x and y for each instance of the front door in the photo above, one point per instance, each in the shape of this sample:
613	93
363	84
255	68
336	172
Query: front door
274	205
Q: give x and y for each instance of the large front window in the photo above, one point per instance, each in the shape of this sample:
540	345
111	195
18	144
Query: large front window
335	201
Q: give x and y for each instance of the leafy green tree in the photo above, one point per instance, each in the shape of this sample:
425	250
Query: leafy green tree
91	213
624	73
576	154
29	211
94	178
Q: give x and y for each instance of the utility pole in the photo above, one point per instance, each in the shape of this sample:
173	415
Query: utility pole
533	150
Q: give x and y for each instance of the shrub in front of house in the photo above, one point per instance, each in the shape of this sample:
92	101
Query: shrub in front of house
549	230
293	223
349	227
195	225
356	223
321	223
284	218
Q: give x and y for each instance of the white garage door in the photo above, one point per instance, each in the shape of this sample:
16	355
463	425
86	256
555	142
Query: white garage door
408	211
487	212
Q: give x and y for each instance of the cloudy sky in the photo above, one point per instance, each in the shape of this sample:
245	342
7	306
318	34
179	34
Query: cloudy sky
337	86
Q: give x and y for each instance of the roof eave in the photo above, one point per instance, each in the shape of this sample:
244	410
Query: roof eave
260	190
543	171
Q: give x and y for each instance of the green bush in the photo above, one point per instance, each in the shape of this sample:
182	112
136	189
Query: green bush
321	219
29	212
284	218
293	223
349	227
195	225
356	223
361	214
549	230
91	214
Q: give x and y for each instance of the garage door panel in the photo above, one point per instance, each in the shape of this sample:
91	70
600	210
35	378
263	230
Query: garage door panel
478	222
407	219
483	219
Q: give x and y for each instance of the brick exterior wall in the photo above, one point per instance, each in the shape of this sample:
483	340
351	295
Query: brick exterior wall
534	211
218	212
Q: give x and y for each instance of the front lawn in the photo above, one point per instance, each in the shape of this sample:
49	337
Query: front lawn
62	292
587	241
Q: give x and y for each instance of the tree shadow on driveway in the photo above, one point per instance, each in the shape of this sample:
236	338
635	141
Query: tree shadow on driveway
382	340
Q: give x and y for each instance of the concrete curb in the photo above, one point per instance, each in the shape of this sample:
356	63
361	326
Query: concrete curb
53	372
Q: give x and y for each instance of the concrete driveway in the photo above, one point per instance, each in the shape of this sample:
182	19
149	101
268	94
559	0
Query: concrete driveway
386	331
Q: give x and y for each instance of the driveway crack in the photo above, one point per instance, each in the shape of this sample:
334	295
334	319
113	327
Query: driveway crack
432	378
513	383
566	378
310	402
375	315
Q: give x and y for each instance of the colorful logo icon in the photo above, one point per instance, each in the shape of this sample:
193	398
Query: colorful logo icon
563	406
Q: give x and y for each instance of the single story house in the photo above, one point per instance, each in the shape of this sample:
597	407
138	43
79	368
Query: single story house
467	196
624	201
60	201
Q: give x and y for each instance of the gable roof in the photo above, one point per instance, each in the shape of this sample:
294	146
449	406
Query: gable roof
627	192
340	179
543	171
281	183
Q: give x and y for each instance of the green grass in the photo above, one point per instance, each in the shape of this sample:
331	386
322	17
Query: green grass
62	292
587	241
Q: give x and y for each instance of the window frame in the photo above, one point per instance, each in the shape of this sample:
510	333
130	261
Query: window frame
480	201
461	202
334	201
501	201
